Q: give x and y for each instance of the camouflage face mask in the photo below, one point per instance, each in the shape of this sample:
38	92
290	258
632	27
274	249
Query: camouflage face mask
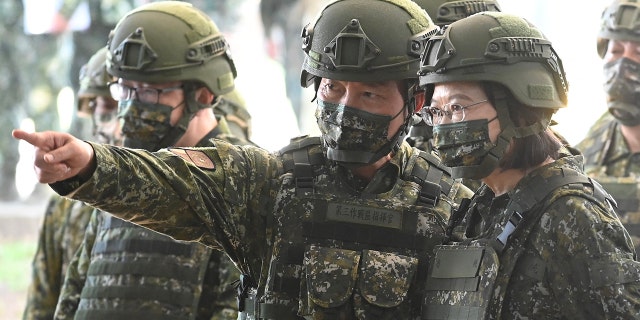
146	125
622	85
352	136
104	127
463	144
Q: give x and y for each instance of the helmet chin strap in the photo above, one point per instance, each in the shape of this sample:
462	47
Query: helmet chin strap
192	106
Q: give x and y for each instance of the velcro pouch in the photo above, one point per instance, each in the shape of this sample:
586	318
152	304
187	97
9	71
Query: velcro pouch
330	275
386	277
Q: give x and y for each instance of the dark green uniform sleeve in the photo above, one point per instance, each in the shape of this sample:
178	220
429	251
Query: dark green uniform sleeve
216	196
590	261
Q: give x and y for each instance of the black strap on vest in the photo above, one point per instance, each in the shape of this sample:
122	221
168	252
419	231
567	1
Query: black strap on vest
543	188
432	186
303	162
534	194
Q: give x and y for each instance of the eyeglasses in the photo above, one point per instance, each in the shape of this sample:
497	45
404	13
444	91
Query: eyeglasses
456	113
121	92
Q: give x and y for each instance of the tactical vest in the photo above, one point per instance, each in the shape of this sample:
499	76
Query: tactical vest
136	273
337	253
462	279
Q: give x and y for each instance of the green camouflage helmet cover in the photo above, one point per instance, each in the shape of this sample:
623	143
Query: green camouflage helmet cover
620	21
93	80
171	41
444	12
361	40
497	47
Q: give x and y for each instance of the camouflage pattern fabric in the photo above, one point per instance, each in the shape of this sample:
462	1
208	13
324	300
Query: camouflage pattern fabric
226	197
577	261
60	236
209	294
13	42
608	160
233	108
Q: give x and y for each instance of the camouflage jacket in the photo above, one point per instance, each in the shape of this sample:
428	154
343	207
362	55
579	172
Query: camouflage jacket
568	256
211	285
60	236
609	160
230	197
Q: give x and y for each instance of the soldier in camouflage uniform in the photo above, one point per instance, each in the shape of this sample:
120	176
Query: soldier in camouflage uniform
173	66
65	220
611	148
539	240
340	226
444	12
13	42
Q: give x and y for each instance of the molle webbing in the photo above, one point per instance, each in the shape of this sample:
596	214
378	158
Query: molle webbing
166	260
303	162
430	180
293	255
164	247
163	270
117	314
143	246
138	292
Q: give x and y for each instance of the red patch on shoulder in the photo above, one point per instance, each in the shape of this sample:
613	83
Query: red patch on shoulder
196	157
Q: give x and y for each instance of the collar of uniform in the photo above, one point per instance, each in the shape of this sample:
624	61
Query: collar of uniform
383	180
566	160
386	177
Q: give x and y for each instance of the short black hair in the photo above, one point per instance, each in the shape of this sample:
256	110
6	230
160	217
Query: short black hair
530	151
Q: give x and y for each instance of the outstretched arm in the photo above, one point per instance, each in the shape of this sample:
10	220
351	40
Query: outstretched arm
58	156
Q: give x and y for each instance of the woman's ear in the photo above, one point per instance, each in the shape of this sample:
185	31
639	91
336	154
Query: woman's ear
419	98
203	95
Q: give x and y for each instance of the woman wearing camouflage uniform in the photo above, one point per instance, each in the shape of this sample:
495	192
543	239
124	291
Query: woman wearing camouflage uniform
539	240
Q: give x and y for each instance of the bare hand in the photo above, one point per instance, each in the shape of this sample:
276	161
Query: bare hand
58	156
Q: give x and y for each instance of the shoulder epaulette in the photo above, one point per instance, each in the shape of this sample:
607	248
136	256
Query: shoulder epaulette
198	158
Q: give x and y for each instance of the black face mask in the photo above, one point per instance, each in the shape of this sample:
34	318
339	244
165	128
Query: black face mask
147	125
352	136
622	85
465	145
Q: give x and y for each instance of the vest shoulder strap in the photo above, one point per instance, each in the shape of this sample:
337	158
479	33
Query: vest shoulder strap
299	159
434	179
536	192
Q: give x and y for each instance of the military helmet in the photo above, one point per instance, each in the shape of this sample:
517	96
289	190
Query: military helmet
620	21
350	41
171	41
444	12
497	47
93	80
